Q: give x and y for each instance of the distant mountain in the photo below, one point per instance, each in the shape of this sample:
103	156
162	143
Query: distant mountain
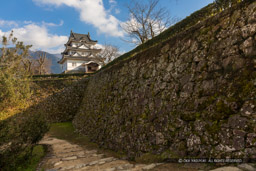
58	55
55	68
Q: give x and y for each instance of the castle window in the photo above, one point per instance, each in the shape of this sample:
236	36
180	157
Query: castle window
84	53
73	64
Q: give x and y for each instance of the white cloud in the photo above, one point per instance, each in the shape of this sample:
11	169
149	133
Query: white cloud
4	23
99	46
117	11
112	1
53	24
133	25
39	37
91	12
102	47
28	22
122	52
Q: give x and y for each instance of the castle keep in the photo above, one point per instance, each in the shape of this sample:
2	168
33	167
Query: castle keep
80	54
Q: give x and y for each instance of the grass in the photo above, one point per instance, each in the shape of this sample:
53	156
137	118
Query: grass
149	158
66	131
61	75
38	152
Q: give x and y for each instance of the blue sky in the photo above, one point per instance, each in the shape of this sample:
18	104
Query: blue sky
46	24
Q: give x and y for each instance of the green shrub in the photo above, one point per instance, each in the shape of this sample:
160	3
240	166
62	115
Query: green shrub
34	157
18	135
14	85
61	75
223	4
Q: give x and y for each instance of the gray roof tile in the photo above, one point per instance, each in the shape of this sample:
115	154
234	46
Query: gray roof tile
79	37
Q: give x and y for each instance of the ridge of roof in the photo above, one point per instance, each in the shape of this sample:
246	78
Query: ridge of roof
79	36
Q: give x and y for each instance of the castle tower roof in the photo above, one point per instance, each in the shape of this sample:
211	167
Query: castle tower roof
82	37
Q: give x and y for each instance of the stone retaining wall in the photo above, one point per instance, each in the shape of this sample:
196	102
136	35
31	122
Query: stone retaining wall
191	96
59	99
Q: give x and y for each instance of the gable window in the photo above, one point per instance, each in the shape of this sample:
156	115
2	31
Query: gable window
84	53
72	52
73	64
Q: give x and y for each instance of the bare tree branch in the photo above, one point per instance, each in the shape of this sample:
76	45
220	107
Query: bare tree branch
146	21
27	63
108	54
41	61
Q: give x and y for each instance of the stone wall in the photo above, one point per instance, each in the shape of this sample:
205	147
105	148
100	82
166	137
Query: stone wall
190	96
53	100
59	99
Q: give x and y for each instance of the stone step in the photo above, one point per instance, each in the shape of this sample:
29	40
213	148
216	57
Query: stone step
71	153
148	167
93	163
227	168
53	141
246	167
109	165
71	164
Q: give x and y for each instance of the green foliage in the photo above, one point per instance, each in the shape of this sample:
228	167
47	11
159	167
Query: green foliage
34	157
198	115
61	75
154	158
14	86
20	132
18	135
149	158
247	88
63	105
214	128
168	154
223	4
67	132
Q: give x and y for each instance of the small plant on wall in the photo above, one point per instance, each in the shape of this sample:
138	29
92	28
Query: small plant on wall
223	4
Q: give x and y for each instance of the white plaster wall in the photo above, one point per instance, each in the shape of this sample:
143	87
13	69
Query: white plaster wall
83	47
75	44
64	66
78	65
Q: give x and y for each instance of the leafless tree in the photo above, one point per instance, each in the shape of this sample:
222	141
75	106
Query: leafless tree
108	53
43	63
41	60
47	66
28	63
146	21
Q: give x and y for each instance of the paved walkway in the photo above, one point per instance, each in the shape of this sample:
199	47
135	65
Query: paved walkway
66	156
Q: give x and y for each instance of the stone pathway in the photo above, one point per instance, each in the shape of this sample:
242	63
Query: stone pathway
66	156
242	167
